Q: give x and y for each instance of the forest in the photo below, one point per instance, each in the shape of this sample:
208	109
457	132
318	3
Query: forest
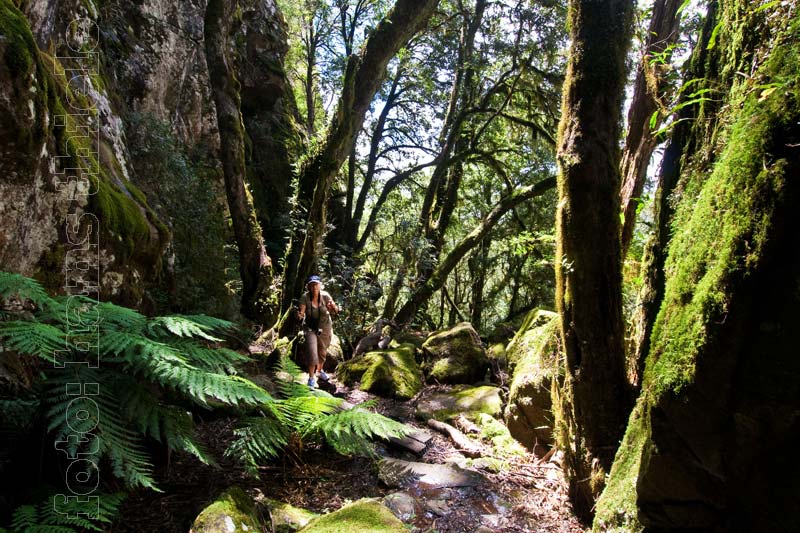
399	265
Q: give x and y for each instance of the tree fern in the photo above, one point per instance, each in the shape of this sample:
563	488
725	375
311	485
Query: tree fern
34	338
146	366
18	286
352	431
60	515
313	416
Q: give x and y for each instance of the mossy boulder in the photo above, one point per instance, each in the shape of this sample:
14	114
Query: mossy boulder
363	515
392	373
455	355
287	518
495	432
469	401
534	351
232	512
417	338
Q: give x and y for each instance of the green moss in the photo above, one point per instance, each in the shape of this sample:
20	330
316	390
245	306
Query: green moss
719	235
20	46
232	512
363	515
469	401
721	229
503	444
537	330
287	518
385	372
616	509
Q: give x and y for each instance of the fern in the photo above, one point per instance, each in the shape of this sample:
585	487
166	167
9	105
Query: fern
60	515
146	366
35	338
18	286
313	416
351	432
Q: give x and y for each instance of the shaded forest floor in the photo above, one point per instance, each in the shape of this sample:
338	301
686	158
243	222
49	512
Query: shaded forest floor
528	497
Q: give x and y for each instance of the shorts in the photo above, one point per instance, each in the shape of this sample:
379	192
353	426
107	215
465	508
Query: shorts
317	346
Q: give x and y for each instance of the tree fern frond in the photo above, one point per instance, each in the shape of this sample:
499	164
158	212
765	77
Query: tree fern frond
350	431
25	516
179	326
117	317
210	323
212	359
288	378
71	512
301	412
18	412
33	338
165	423
15	285
104	421
258	439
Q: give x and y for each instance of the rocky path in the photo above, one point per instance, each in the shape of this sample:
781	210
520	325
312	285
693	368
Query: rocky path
437	489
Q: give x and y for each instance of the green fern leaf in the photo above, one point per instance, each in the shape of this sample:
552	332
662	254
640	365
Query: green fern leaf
179	326
33	338
17	286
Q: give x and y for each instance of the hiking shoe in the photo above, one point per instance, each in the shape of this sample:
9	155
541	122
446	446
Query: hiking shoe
311	382
323	376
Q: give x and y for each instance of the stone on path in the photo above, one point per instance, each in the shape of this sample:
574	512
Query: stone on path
361	516
232	512
469	401
398	473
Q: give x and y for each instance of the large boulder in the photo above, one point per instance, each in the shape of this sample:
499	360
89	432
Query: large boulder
232	512
363	515
455	355
393	373
469	401
534	352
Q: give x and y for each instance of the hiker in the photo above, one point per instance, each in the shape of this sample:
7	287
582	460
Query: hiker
316	307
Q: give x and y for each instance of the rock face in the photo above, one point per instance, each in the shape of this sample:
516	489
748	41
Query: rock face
455	355
533	352
232	512
713	434
392	373
363	515
124	132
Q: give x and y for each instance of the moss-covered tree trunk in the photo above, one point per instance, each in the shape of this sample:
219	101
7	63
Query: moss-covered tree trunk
588	268
363	78
254	264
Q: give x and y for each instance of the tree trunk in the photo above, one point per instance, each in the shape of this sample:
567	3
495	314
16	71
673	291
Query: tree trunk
362	79
439	275
683	139
588	266
648	90
254	265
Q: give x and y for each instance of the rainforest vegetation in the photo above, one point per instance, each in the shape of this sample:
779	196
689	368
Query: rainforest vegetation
558	235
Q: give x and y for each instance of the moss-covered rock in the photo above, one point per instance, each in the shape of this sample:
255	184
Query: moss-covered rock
455	355
392	373
232	512
494	431
719	412
469	401
364	515
287	518
534	351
